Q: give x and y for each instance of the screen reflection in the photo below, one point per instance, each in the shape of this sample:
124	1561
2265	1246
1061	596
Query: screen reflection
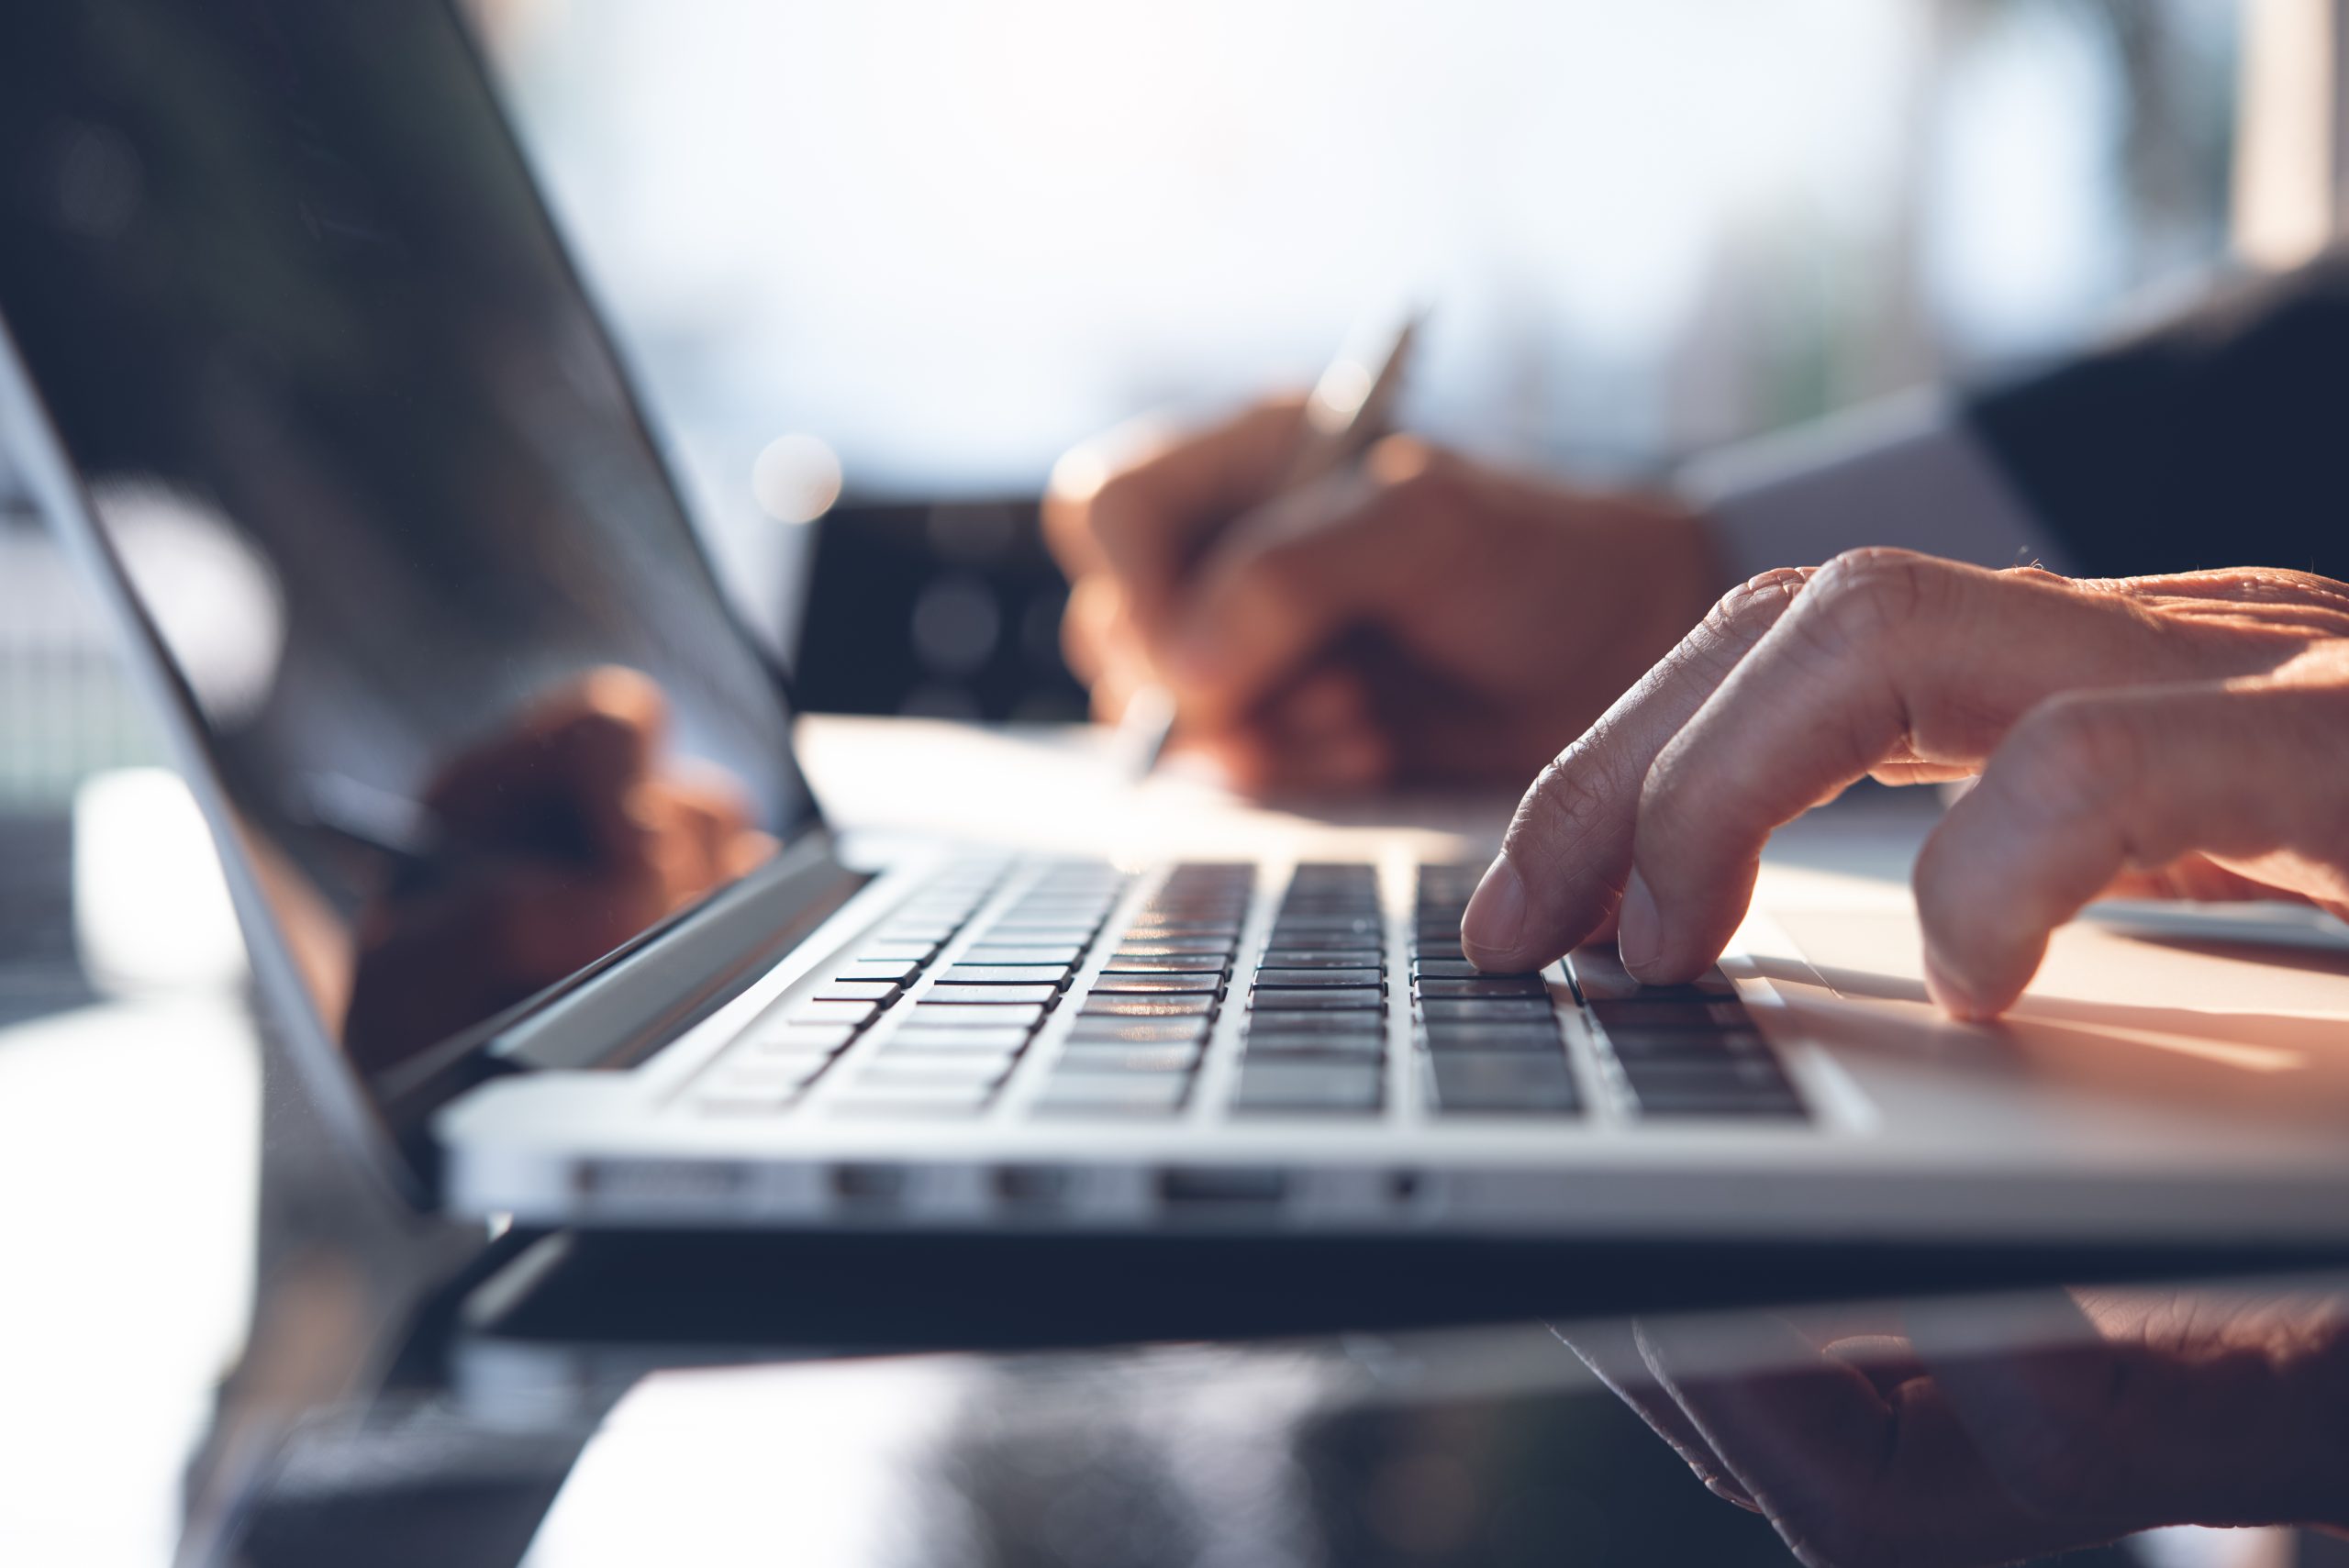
373	476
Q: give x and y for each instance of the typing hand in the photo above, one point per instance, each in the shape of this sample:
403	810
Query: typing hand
1985	1433
2184	735
1421	615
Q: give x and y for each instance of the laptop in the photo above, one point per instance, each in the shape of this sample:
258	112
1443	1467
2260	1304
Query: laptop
297	367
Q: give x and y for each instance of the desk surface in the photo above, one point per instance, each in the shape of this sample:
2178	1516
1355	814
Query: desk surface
132	1143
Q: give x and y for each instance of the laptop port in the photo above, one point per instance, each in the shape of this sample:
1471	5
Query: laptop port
868	1185
1034	1186
1221	1187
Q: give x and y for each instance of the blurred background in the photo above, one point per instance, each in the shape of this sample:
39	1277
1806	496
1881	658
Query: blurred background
885	261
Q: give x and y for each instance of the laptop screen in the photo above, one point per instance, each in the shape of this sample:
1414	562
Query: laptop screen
370	472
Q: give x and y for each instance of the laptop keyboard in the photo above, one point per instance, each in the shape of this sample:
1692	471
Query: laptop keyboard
940	1011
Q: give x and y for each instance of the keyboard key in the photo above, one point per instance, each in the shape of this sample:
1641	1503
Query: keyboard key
896	971
1021	956
865	1101
797	1040
773	1078
1348	1020
1632	1045
991	995
856	991
1601	976
1674	1103
1640	1013
1536	1035
1314	958
1114	983
1483	1009
909	931
1137	1031
1039	936
1005	975
947	1072
1114	1006
1113	1093
1335	999
1487	986
1320	1088
1331	1043
1447	969
1175	947
935	1014
1143	964
1101	1056
856	1014
1758	1074
1293	979
915	953
1350	924
1498	1083
916	1040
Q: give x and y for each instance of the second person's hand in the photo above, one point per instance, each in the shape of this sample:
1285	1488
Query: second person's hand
1424	615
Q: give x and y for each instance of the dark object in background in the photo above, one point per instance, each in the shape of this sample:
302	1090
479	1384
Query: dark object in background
949	609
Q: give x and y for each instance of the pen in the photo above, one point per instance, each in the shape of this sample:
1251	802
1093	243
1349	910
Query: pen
1347	411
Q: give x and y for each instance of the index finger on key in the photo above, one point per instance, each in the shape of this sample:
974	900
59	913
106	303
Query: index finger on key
1568	849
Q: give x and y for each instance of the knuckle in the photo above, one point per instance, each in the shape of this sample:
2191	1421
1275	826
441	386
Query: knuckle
1755	604
1864	598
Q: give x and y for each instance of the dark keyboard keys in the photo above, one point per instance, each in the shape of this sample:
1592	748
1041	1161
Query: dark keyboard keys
1336	998
1269	1086
990	996
882	991
1139	1032
1128	984
1315	978
1052	974
1113	1093
895	970
1498	1083
1486	985
916	1040
1112	1006
1021	955
939	1013
1108	1056
1485	1009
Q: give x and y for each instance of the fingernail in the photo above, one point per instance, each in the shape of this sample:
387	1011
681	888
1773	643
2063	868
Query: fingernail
1494	921
1949	994
1638	933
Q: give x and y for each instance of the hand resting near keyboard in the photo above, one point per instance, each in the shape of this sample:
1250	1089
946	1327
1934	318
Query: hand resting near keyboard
2183	736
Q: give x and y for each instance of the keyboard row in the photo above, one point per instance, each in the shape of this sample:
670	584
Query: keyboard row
958	1031
1314	1036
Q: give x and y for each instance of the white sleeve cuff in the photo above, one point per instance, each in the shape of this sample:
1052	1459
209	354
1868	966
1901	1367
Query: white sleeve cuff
1903	471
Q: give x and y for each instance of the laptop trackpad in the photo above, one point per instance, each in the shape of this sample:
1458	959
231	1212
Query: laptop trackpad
2178	1007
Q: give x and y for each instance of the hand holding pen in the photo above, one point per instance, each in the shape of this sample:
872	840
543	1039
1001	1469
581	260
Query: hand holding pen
1332	607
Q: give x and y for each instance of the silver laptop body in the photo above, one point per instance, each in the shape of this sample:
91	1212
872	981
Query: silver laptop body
298	370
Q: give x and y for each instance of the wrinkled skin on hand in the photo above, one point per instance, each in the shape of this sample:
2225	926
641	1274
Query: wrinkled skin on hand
2183	735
